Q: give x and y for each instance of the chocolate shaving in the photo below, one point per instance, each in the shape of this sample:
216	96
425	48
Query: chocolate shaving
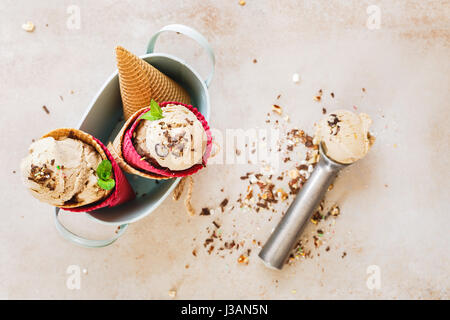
205	212
223	204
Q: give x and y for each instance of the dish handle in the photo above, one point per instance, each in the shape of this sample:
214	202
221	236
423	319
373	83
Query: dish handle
191	33
88	243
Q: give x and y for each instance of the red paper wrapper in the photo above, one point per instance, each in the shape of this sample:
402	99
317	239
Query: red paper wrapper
122	192
134	159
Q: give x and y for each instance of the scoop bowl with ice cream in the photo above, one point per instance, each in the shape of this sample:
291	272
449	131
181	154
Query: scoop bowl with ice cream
345	135
343	139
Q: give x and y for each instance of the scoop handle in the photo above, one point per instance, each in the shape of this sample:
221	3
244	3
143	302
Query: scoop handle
193	34
283	238
83	242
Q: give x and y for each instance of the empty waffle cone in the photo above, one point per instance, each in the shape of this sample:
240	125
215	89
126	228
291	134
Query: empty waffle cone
116	150
140	82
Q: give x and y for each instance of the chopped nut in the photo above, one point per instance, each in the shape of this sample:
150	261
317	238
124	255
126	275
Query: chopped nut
317	216
242	2
330	187
283	195
243	259
249	193
318	97
28	27
313	157
172	293
335	211
293	174
277	109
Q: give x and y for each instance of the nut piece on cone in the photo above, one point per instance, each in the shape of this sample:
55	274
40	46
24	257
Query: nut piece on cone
140	82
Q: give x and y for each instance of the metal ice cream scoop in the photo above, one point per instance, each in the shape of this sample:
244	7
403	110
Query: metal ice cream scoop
283	238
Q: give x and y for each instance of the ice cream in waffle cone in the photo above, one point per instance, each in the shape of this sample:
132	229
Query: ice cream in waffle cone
116	148
140	82
157	158
61	169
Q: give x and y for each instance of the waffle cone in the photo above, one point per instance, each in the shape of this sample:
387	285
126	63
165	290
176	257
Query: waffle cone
122	191
140	82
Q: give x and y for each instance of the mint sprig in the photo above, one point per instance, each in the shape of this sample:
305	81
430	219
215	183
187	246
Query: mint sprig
155	112
104	174
106	184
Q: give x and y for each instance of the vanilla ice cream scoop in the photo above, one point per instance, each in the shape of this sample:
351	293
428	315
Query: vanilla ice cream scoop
177	141
62	172
345	135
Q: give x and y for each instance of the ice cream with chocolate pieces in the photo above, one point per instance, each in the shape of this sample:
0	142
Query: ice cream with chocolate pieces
176	141
345	135
62	172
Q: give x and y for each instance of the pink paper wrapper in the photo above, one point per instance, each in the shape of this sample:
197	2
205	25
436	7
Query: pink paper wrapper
134	159
122	193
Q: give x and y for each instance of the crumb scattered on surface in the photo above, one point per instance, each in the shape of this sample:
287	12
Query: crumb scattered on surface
266	192
318	96
243	259
205	212
277	109
46	109
223	204
172	293
28	26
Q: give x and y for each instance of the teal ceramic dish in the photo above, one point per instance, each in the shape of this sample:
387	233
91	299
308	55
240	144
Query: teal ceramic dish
108	105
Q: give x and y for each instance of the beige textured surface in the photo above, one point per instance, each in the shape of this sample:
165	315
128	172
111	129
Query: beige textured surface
404	66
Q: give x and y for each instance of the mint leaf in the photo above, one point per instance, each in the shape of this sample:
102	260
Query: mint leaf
104	173
106	184
155	112
104	170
